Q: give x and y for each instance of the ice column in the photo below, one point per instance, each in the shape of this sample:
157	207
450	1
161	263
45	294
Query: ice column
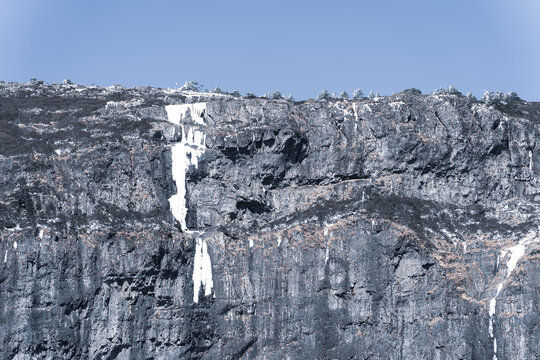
184	154
202	270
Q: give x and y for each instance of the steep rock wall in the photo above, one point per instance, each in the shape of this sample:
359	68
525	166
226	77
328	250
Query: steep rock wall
399	227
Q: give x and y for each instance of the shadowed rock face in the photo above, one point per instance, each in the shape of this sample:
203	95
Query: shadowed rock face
401	227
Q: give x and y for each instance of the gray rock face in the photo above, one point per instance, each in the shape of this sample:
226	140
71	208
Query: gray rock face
400	227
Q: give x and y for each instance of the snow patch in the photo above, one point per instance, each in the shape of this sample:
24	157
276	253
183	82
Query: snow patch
450	236
278	241
5	257
16	228
15	245
202	270
396	105
530	160
250	243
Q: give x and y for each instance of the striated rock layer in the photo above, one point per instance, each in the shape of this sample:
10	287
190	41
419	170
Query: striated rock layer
400	227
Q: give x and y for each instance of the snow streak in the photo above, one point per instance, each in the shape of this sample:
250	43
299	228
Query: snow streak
515	252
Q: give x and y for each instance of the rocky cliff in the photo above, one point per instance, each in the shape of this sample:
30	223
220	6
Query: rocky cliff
155	224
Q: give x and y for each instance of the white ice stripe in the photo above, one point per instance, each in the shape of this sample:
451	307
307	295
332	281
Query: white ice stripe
530	160
41	234
250	243
5	256
177	113
179	167
15	245
184	154
355	110
202	270
516	252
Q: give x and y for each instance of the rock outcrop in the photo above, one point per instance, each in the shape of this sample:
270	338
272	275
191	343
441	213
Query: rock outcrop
155	224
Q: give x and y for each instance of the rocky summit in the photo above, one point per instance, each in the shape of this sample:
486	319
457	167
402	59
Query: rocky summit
143	223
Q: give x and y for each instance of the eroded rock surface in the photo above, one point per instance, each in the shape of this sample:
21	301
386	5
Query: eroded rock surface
400	227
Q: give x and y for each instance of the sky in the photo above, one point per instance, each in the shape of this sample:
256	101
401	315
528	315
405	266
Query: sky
298	47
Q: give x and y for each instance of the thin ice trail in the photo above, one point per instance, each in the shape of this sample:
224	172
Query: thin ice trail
185	154
515	252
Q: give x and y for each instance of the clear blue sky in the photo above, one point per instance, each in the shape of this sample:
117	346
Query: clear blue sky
299	47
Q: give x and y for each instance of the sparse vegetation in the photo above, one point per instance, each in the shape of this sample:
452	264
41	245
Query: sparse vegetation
357	94
277	95
192	86
447	91
414	91
323	95
499	98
